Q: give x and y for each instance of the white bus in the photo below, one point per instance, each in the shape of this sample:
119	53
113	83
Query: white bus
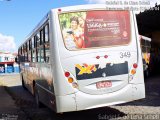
83	57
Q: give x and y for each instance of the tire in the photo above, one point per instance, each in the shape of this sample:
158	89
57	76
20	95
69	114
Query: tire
36	95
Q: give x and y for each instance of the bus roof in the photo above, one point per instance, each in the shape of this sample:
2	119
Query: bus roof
90	6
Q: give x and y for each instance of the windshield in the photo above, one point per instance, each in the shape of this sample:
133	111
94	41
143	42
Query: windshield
99	28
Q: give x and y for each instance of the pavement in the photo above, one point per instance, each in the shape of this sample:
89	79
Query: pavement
8	108
6	102
10	81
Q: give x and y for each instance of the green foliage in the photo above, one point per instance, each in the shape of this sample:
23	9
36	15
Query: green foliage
65	18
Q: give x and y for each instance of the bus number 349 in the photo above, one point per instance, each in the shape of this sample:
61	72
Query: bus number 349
125	54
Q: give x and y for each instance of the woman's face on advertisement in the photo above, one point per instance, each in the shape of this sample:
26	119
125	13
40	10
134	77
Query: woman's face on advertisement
81	22
74	25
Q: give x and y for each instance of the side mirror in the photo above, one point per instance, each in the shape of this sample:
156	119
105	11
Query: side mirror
17	60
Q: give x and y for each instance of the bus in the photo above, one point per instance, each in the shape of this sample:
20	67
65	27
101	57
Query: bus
83	57
146	50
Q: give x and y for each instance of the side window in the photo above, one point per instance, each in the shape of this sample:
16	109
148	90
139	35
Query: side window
40	51
30	51
46	33
33	49
26	52
34	56
47	44
38	39
22	54
20	51
32	42
40	46
37	49
47	52
42	36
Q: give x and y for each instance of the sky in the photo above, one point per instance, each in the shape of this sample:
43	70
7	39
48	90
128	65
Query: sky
19	17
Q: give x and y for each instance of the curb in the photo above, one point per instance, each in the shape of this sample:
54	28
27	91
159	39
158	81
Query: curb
8	74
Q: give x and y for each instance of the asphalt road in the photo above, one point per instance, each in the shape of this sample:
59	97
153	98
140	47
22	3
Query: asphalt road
148	108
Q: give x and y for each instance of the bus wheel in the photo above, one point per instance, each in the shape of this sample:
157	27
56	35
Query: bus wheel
36	95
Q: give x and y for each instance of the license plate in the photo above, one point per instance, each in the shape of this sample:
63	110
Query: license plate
104	84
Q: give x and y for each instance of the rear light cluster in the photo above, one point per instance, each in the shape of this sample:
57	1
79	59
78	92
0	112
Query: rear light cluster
105	56
71	80
133	71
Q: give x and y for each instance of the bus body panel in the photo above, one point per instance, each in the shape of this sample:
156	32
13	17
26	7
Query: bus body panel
42	75
66	103
57	70
116	71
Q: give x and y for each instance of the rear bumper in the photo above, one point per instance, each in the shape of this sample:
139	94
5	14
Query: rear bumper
83	101
129	93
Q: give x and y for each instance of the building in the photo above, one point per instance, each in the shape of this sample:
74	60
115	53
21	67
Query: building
7	63
149	25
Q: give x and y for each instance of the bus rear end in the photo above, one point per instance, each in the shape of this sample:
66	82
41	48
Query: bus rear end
100	62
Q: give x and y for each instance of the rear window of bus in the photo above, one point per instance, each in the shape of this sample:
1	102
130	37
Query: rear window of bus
99	28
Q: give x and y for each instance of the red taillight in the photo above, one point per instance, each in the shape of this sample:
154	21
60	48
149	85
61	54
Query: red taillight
106	56
67	74
135	65
97	57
